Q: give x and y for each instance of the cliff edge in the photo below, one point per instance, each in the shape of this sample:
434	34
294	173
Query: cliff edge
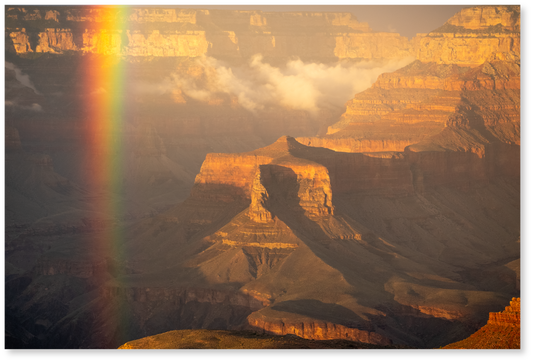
502	331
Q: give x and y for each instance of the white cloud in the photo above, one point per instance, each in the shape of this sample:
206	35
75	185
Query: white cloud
257	85
24	79
35	107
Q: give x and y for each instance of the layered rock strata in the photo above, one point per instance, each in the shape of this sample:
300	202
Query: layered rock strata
419	101
313	175
375	246
162	32
440	104
502	331
471	36
510	316
477	32
319	174
318	330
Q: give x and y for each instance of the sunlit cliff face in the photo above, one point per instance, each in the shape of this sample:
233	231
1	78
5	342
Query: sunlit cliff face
249	60
151	182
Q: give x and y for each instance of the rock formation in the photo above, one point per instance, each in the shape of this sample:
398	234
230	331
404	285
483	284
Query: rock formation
502	331
174	32
212	339
318	330
260	218
429	127
439	105
473	35
401	225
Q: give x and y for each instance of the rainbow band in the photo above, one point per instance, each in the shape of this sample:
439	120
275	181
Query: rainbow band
104	77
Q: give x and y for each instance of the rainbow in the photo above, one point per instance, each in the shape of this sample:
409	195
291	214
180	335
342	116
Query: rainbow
104	74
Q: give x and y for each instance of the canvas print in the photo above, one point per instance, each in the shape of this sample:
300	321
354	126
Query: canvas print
262	177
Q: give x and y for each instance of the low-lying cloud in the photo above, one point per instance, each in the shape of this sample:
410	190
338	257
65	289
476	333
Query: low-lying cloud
35	107
259	85
23	79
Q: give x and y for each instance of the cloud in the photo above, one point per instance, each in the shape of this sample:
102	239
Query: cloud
35	107
23	79
259	85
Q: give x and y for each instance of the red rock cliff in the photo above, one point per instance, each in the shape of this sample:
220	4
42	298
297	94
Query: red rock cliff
472	36
192	33
317	330
502	331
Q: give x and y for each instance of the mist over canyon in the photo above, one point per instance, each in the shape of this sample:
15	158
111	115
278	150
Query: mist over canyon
275	172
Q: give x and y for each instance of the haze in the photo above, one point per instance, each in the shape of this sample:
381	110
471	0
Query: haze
408	20
347	177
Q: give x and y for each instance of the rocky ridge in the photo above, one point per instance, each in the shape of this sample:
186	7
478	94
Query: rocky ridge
257	218
502	331
473	35
430	126
409	242
209	339
173	32
442	105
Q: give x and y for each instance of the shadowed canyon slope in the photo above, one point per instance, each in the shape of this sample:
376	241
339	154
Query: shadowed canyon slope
396	222
328	249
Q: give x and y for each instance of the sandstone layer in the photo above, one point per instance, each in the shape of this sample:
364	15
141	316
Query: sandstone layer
255	221
502	331
417	103
439	104
402	226
473	35
425	93
174	32
318	330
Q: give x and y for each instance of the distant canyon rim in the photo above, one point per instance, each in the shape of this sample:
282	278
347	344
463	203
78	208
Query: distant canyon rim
284	173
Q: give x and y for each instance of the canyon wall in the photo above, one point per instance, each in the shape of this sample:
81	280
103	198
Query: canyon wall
456	117
380	231
502	331
162	32
421	100
510	316
319	330
318	174
475	53
473	35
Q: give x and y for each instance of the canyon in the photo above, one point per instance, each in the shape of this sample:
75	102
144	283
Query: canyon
393	220
224	34
502	331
